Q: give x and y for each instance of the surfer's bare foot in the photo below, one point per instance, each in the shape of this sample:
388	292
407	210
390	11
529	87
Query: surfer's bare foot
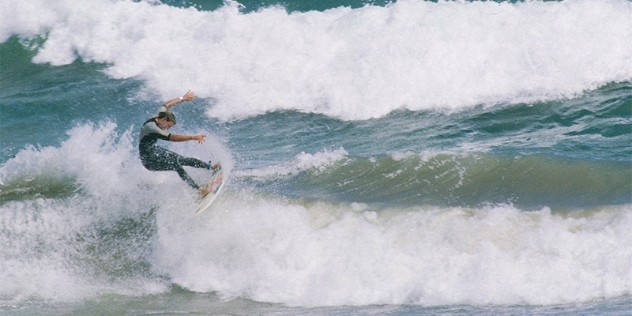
204	191
215	165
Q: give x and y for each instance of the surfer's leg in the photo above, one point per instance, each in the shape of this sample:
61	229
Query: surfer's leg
179	162
185	176
166	160
196	163
160	159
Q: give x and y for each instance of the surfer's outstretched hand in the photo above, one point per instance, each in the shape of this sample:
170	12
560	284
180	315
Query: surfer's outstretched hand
199	138
189	96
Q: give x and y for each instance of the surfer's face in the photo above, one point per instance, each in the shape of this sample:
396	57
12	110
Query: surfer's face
163	124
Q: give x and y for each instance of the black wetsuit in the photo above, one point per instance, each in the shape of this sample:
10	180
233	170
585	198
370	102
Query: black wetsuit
159	159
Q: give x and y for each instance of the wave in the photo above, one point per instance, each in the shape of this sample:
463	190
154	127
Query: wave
449	179
248	6
316	254
124	230
349	63
322	254
78	220
96	159
92	158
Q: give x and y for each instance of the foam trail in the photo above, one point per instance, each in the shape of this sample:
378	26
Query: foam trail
347	63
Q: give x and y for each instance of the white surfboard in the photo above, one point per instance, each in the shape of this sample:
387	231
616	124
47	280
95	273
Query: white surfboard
216	183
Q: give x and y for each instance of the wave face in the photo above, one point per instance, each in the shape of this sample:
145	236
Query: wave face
451	180
411	157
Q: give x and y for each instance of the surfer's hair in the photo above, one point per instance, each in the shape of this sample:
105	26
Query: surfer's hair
167	115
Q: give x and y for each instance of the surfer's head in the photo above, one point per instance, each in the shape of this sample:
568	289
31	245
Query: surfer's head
166	120
167	116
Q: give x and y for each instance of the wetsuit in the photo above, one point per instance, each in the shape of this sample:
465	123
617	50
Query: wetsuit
159	159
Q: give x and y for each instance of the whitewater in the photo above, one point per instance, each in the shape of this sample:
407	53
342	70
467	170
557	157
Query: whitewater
346	63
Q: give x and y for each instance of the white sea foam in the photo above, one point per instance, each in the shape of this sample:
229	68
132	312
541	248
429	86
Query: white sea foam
38	233
92	154
54	243
348	63
321	254
303	161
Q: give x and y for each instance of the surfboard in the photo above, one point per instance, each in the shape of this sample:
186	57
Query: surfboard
216	183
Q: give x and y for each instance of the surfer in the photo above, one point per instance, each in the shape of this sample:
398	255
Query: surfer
156	158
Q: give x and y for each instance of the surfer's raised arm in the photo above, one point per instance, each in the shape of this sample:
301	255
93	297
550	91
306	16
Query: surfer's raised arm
189	96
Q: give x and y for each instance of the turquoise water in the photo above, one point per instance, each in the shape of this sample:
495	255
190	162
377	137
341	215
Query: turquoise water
413	157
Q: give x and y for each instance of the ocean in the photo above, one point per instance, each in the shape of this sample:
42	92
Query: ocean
382	157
